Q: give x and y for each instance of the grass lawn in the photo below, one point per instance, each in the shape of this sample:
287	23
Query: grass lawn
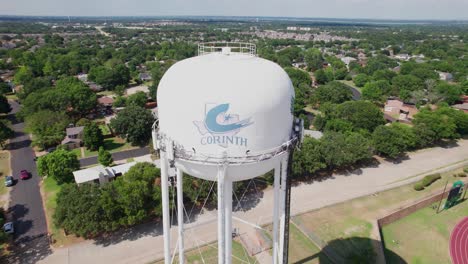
423	237
105	129
210	255
349	225
77	152
114	144
50	189
4	170
12	96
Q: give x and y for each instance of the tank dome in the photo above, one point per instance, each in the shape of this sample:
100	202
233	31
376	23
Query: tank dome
226	103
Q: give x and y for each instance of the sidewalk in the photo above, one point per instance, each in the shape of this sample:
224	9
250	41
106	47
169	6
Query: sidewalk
146	245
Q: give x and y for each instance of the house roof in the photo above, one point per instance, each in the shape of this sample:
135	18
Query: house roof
463	106
313	133
70	140
105	100
90	174
74	130
93	173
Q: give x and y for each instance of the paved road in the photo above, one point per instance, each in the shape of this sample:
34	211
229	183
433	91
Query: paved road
123	155
30	240
144	243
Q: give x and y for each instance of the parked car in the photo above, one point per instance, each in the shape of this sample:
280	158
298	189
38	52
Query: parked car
52	149
9	181
8	228
24	175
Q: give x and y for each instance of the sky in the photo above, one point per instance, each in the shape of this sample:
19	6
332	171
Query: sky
373	9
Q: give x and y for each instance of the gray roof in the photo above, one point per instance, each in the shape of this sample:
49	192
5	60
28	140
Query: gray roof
74	130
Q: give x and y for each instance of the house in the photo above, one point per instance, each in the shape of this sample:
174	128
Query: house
74	137
313	133
397	111
106	101
445	76
403	56
95	87
462	107
136	89
347	60
100	174
144	76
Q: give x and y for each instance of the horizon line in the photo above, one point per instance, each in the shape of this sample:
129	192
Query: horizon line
238	16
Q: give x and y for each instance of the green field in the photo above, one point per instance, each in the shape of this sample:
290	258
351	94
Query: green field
4	170
423	237
348	227
210	255
114	144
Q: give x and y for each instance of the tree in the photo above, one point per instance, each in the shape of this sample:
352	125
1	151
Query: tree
137	99
374	91
333	92
308	159
93	137
385	75
5	132
5	107
362	114
23	75
78	210
134	124
314	59
338	150
4	87
393	140
433	126
449	93
104	157
361	79
59	165
47	127
459	117
405	84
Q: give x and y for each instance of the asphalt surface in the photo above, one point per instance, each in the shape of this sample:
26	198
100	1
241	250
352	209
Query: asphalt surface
26	207
127	154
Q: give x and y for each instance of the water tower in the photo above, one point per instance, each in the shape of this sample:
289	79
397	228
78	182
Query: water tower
226	115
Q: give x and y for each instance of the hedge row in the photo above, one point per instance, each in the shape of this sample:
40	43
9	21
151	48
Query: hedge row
426	181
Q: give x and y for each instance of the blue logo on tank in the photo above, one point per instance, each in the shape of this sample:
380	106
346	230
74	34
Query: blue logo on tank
221	127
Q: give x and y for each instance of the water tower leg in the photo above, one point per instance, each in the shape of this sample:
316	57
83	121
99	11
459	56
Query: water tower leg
165	209
276	212
284	175
221	215
180	214
228	220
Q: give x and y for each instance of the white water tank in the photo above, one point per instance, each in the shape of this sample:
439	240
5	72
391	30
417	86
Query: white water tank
226	104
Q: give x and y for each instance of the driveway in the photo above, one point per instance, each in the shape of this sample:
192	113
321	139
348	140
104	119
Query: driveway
144	243
122	155
25	207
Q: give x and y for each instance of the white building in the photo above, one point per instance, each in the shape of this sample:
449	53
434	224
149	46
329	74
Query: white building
100	174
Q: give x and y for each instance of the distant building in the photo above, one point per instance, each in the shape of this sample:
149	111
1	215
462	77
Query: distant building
145	77
105	101
100	174
462	107
445	76
74	137
313	134
397	111
403	56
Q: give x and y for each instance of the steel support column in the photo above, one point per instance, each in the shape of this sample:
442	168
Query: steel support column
165	208
180	214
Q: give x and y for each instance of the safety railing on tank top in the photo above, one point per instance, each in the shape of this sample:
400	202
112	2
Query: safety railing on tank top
235	48
176	150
